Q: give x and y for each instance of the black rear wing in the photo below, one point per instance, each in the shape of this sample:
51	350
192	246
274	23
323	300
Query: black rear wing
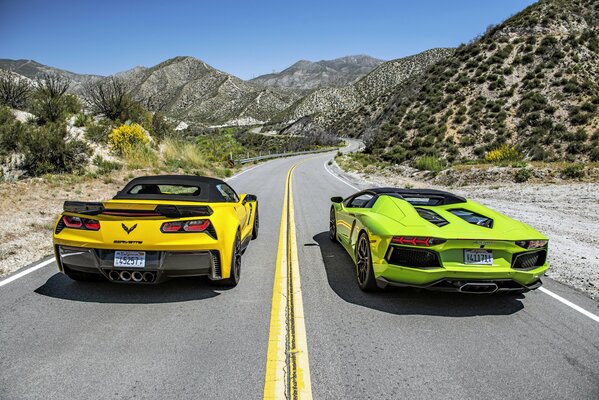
165	210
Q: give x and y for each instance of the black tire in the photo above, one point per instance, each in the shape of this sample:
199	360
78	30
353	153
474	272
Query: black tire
233	279
256	225
364	272
332	226
83	276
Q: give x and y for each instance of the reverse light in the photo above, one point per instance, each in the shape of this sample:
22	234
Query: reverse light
417	240
532	244
81	223
199	225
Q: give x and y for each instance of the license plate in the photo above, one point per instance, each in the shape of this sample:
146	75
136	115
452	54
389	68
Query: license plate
131	259
478	257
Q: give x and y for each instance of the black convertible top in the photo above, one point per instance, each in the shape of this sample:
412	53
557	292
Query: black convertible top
201	188
447	198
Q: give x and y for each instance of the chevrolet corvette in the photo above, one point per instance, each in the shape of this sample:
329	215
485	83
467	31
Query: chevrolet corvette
155	228
436	240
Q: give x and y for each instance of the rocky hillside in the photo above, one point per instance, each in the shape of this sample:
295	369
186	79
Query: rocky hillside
329	102
531	82
194	91
31	69
326	73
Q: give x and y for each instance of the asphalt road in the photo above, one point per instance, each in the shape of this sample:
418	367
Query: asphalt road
61	339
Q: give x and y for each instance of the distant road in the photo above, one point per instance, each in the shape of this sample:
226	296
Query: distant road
185	338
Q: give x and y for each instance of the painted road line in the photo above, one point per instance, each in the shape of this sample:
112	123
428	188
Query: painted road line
570	304
287	366
338	177
27	271
242	172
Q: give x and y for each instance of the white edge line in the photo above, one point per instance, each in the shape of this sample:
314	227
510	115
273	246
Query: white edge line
337	177
242	172
27	271
570	304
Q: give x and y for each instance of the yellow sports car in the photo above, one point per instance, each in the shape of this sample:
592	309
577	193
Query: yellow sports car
158	227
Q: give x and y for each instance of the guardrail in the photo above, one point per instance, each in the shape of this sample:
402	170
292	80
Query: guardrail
278	155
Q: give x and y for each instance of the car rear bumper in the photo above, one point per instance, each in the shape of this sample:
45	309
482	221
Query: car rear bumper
159	265
452	278
467	285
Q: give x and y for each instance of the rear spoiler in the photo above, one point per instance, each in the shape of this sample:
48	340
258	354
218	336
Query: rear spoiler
166	210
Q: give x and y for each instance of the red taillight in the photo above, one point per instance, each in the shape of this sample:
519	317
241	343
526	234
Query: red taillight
81	223
196	226
171	226
199	225
91	224
72	222
417	240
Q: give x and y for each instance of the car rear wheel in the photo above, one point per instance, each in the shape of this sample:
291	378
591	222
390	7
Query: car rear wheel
364	272
233	279
332	225
256	225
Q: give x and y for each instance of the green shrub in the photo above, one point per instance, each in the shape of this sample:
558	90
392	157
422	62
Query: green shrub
522	175
574	171
14	91
46	151
11	132
50	100
430	163
81	120
105	166
594	154
97	132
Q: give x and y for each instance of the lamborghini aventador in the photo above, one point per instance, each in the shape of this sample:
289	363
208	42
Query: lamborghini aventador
436	240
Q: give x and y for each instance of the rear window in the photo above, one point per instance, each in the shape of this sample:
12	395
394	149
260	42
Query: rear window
472	217
179	190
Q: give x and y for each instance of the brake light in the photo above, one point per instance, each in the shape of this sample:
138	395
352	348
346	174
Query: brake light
72	222
81	223
417	240
532	244
199	225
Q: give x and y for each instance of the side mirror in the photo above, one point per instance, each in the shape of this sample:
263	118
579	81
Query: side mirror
249	197
337	199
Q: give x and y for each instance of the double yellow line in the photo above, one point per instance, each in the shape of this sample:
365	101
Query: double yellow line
287	367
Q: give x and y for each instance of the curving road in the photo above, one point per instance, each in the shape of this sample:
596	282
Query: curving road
61	339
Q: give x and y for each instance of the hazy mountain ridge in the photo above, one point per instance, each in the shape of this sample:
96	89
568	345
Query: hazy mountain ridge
386	76
309	75
530	82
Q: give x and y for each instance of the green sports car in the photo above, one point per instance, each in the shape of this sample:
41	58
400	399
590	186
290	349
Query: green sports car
436	240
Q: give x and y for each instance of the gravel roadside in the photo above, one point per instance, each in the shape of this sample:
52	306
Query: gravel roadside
568	213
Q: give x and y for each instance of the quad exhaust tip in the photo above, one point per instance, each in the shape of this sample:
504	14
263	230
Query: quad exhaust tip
128	276
478	287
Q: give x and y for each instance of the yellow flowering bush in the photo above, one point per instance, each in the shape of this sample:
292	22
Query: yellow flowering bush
503	153
124	137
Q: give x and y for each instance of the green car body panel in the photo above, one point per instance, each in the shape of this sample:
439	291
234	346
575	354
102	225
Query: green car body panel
389	216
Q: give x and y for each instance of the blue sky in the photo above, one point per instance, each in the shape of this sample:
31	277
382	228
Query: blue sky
245	38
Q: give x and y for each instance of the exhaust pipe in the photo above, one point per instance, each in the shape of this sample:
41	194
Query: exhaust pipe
125	275
148	277
137	276
114	276
478	287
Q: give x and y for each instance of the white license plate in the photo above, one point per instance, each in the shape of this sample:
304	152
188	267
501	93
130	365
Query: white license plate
131	259
478	257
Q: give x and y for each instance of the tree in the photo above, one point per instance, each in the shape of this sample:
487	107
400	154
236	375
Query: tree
14	90
50	97
109	96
